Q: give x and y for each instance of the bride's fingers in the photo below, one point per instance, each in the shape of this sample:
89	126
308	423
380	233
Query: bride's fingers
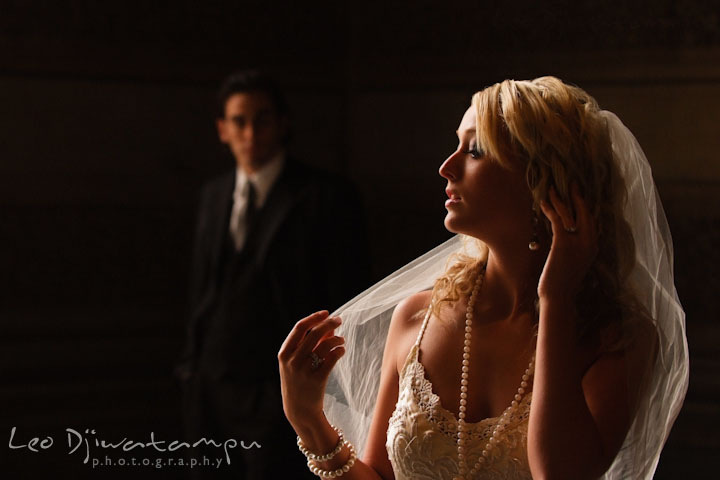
565	214
314	335
331	359
298	333
325	346
555	220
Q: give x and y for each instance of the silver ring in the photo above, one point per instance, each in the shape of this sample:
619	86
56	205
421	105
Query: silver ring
572	229
316	361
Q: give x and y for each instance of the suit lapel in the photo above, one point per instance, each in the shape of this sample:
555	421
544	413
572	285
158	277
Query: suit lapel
215	216
283	196
220	223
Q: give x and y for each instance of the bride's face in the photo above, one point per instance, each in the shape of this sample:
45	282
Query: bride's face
485	199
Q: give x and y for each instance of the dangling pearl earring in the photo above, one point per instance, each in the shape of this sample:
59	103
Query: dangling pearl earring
534	238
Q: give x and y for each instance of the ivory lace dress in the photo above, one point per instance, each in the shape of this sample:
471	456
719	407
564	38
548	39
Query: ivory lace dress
422	435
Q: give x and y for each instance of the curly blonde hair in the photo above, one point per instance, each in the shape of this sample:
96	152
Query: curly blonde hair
555	130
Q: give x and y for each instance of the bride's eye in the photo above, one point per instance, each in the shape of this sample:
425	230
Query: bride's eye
474	151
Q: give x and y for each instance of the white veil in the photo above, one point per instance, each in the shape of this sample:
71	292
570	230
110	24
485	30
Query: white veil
652	280
353	385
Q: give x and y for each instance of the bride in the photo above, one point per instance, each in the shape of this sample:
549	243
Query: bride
544	341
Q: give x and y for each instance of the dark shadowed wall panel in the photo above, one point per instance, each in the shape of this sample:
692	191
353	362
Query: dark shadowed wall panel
106	133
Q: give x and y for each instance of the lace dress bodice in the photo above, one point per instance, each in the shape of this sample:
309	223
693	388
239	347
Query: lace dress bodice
422	435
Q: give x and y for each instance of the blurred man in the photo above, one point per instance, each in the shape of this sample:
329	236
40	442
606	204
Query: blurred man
275	241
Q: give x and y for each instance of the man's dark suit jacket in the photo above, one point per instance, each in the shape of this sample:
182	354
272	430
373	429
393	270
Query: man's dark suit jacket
305	251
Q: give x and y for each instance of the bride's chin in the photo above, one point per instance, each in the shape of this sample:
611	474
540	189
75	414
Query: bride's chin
451	224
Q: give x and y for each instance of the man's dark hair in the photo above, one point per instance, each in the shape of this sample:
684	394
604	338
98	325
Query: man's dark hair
251	81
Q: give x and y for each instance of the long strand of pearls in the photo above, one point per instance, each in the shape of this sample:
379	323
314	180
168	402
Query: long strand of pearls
461	434
504	418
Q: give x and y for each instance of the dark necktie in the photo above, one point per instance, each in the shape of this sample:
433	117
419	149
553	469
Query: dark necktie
251	211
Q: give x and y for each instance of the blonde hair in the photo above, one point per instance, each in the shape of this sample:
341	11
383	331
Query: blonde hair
556	132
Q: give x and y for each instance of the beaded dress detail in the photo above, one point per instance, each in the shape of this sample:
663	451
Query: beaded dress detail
422	435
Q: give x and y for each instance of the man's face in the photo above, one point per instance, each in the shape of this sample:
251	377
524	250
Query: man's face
252	129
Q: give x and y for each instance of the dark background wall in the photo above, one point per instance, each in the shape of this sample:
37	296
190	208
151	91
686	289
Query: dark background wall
106	133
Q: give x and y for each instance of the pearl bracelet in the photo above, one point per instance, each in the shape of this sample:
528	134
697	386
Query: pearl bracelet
327	456
338	472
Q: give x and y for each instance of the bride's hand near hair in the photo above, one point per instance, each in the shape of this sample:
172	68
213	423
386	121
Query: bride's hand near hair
306	358
573	248
575	389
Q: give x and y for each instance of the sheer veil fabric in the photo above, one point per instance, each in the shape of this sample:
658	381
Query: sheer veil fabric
354	382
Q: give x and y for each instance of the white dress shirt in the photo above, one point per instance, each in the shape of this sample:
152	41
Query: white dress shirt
262	180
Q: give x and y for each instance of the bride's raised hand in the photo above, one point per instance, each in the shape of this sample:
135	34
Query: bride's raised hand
306	358
573	248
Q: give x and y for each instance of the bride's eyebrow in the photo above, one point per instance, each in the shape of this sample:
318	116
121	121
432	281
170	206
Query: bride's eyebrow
470	129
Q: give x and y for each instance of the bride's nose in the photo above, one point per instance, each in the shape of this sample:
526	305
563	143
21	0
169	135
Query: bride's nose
450	168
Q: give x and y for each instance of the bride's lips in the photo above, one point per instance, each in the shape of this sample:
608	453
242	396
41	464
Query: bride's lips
453	198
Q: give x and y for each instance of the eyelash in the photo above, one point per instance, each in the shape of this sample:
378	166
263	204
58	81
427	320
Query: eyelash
474	152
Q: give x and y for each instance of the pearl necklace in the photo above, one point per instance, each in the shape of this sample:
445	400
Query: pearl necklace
504	418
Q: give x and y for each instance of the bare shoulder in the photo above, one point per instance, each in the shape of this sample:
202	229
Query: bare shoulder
408	314
411	306
405	325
